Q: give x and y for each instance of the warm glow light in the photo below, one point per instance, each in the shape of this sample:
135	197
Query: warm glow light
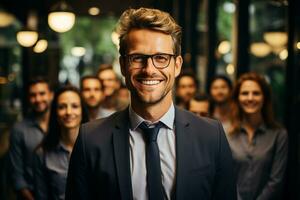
260	49
276	39
27	38
224	47
283	54
78	51
61	21
230	69
3	80
94	11
6	18
298	45
40	46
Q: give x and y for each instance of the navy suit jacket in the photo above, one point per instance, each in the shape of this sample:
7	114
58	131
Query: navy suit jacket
100	162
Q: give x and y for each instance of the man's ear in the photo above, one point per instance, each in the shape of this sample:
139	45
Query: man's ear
178	65
122	65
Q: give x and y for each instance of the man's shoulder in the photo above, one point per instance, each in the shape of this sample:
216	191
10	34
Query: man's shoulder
22	125
102	127
195	120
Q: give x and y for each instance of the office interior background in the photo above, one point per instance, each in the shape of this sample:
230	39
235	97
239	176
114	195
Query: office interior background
219	37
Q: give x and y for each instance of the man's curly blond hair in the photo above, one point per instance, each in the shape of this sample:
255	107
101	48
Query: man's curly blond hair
147	18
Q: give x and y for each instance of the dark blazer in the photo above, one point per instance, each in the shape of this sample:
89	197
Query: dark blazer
100	165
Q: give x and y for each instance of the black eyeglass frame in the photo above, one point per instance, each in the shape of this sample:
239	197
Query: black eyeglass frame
147	56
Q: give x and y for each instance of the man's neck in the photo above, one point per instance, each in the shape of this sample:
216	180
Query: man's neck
68	137
109	103
43	121
222	110
152	112
93	112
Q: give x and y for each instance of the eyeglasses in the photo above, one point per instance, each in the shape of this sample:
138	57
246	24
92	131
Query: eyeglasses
160	60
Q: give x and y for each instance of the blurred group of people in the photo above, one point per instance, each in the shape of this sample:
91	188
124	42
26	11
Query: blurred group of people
259	144
41	144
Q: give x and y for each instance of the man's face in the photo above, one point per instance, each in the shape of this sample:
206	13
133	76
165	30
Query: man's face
40	97
220	91
91	92
148	84
200	108
109	81
186	88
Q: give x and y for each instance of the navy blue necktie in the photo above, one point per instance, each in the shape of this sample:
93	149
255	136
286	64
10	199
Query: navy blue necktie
154	183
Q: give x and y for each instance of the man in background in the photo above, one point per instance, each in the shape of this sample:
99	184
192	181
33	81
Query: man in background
92	94
200	105
110	85
220	92
186	87
26	135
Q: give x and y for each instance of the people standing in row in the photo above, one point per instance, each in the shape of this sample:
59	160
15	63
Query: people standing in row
220	90
92	94
110	84
186	87
259	145
26	135
53	154
111	159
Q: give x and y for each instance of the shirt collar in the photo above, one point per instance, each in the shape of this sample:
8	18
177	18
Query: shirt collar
261	129
167	119
61	147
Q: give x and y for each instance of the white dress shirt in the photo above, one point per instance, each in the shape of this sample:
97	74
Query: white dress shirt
166	144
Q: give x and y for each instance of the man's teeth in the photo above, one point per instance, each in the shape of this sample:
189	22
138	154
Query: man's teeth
150	82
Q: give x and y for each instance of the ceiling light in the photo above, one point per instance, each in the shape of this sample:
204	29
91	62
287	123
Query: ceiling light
61	18
27	38
298	45
224	47
94	11
6	18
78	51
276	39
230	69
229	7
40	46
283	54
260	49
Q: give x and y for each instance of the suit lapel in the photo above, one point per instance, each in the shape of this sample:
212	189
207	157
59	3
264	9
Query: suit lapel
121	152
183	151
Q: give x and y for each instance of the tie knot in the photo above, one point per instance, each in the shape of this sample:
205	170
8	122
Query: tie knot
150	132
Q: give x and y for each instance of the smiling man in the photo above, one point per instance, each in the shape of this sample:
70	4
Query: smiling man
152	150
90	88
26	135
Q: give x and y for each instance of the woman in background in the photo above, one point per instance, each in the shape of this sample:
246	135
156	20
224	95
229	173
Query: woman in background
259	145
52	156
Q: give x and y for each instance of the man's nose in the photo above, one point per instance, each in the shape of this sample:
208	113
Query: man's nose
149	66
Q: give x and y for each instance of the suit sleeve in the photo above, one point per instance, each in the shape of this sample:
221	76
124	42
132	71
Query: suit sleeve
77	187
225	181
274	185
16	159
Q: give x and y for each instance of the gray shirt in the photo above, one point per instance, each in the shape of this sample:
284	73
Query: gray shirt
166	144
260	165
51	169
24	138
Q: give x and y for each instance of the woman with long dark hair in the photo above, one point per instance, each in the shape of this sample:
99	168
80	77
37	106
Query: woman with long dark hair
52	156
259	144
